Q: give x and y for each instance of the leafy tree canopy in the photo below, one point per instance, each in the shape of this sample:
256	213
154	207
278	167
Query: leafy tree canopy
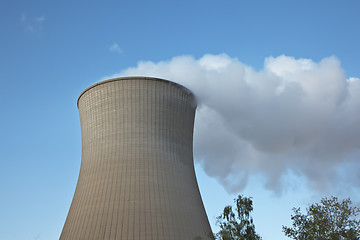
330	219
237	225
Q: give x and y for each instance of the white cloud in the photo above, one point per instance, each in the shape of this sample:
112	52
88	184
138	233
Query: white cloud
40	19
32	24
294	115
115	48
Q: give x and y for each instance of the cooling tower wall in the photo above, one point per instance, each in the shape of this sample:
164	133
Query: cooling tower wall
137	178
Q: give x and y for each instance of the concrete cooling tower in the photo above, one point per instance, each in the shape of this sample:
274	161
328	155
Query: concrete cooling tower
137	178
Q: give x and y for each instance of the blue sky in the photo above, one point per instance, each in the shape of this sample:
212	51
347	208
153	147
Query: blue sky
50	51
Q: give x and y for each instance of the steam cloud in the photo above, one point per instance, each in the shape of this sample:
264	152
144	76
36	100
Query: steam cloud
294	115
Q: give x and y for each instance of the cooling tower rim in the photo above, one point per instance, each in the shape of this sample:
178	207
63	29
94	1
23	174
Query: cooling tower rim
137	77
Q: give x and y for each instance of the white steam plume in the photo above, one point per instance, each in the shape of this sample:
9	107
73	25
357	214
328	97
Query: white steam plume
294	115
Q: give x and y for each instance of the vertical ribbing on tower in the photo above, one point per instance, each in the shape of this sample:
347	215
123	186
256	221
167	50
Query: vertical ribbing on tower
137	178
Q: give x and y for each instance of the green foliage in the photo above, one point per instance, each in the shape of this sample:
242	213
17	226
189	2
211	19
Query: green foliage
329	220
238	225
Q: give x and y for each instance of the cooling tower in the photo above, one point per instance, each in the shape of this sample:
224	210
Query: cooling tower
137	178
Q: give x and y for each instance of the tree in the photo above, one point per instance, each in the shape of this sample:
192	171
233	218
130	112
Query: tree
330	219
238	225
